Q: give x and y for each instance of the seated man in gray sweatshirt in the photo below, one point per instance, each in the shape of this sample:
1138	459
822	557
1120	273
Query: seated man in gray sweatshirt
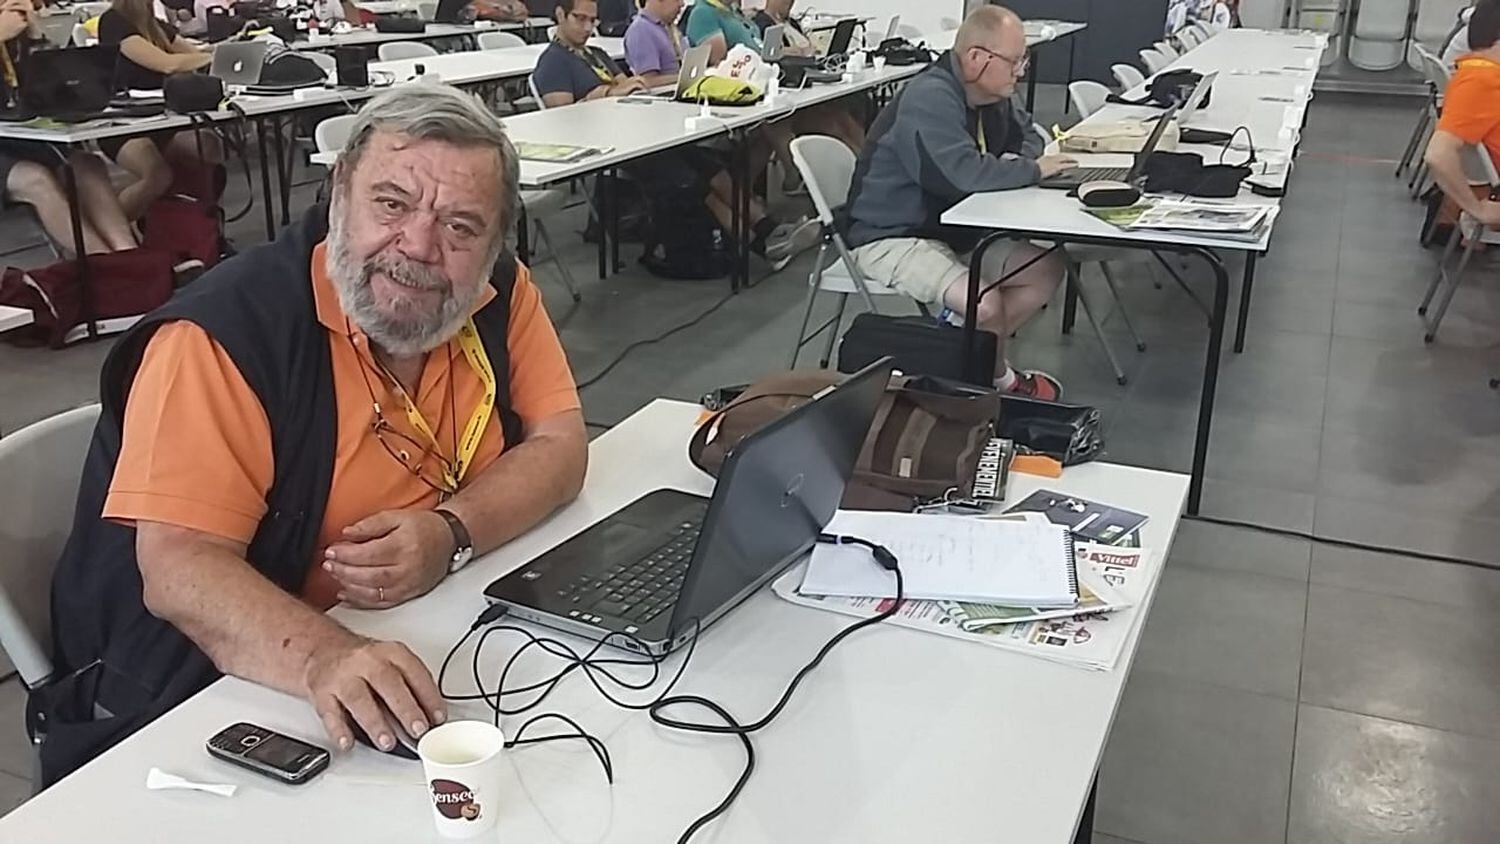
952	131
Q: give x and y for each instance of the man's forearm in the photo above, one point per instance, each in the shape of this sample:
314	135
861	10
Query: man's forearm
1449	174
522	487
247	625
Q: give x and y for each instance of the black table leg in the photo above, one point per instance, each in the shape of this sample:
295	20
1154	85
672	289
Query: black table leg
1085	832
1070	305
747	189
283	181
80	255
1210	378
614	223
265	178
1239	333
601	198
523	237
739	242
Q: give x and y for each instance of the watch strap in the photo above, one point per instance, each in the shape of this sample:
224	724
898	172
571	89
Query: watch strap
463	544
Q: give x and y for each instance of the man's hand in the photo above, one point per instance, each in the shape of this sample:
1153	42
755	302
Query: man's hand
1489	213
366	679
1051	165
628	85
15	18
390	557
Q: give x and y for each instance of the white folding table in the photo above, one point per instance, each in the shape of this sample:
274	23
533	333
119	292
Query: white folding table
899	735
1264	85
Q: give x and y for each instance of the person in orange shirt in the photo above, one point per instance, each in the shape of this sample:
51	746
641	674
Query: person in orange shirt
1471	114
346	414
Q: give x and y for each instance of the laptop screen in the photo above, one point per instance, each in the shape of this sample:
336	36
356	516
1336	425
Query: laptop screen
776	492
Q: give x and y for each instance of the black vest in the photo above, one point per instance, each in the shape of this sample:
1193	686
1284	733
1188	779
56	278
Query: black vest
109	652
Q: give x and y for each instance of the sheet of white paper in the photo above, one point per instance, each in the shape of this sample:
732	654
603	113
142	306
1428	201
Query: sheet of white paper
945	557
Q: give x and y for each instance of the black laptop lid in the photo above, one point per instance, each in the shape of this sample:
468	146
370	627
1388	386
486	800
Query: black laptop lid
843	36
1138	168
776	492
70	81
449	11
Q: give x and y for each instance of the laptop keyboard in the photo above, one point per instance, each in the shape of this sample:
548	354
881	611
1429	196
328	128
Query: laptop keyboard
640	590
1100	174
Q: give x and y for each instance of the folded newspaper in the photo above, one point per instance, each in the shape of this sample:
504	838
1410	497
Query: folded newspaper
1090	636
1233	220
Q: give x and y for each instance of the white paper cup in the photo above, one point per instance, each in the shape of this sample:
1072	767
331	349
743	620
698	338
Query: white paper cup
462	763
878	63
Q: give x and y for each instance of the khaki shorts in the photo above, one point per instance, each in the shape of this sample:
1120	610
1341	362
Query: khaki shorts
924	269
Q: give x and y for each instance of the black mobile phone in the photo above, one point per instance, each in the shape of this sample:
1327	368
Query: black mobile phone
282	758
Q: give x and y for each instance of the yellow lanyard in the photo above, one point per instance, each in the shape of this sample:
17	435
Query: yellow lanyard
592	61
10	69
473	349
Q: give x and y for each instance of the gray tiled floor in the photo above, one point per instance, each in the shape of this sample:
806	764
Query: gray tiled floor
1284	691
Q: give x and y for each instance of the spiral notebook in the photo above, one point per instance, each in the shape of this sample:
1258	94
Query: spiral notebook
948	558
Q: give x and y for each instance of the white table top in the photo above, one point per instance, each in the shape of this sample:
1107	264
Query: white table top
632	130
371	35
11	318
897	731
1239	99
462	68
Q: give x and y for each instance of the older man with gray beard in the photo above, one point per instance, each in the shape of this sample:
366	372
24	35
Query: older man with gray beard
347	414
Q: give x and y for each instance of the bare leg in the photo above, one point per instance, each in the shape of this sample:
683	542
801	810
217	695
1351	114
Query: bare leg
40	188
99	204
1009	306
721	189
153	176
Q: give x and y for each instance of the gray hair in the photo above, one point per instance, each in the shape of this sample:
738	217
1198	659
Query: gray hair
428	111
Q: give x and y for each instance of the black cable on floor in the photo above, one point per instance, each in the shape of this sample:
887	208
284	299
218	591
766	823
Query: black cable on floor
1344	543
589	382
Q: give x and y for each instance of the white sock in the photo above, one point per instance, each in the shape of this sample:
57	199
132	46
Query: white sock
1007	380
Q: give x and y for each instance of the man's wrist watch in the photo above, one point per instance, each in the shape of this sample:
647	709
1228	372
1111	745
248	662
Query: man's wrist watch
463	546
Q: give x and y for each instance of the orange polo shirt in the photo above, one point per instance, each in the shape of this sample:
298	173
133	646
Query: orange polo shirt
1471	105
196	450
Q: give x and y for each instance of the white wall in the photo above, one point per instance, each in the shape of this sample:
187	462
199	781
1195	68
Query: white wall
925	15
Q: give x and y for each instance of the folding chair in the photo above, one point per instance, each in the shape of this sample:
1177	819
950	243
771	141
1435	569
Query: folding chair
1476	159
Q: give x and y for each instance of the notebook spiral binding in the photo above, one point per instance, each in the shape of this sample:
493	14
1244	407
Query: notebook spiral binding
1071	552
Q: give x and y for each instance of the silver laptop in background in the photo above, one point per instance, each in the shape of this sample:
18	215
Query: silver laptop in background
694	67
1195	99
774	43
238	63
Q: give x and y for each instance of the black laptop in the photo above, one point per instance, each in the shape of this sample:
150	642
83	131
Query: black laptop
1070	179
75	84
449	11
670	562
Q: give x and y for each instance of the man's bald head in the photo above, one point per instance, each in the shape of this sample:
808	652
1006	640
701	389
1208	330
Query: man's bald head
985	25
990	52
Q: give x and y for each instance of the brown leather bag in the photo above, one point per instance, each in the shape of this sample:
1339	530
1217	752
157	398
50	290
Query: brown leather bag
921	446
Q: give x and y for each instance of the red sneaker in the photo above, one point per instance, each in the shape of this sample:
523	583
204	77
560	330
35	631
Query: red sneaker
1036	384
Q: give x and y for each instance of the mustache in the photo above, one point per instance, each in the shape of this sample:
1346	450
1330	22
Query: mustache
406	273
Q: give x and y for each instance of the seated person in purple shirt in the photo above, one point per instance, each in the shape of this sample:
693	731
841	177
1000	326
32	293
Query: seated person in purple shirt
571	71
653	44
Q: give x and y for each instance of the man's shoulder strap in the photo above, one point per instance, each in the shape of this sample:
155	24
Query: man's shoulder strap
493	323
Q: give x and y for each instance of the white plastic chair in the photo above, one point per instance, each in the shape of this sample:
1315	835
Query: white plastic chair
1128	75
41	464
500	40
330	136
394	50
81	36
827	169
1154	61
1377	37
1437	75
1187	37
1481	169
1088	96
1166	50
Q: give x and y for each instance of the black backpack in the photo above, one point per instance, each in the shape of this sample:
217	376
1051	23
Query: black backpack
1169	88
287	70
682	238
